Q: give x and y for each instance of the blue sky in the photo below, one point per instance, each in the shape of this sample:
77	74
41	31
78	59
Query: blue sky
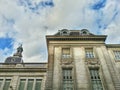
28	21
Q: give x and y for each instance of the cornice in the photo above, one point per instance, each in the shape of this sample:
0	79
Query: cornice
23	69
113	45
76	38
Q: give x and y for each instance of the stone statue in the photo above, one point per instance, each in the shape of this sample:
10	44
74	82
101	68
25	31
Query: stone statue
19	51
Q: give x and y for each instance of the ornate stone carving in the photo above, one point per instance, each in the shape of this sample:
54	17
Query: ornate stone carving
92	61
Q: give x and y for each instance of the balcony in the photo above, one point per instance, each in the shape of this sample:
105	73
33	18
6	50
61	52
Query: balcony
66	59
92	61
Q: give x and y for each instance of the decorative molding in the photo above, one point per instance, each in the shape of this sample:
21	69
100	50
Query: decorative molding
93	61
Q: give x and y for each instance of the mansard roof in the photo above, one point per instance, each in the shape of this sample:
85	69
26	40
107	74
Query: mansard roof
13	59
75	35
65	32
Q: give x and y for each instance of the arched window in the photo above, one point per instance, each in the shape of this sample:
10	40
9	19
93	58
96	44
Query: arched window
84	32
64	32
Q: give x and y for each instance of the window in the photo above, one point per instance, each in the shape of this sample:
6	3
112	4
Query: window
95	80
38	84
65	53
1	81
67	80
89	53
5	83
117	55
84	32
64	32
31	84
22	84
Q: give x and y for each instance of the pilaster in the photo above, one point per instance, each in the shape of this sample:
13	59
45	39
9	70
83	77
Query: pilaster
49	81
56	72
14	83
106	74
81	75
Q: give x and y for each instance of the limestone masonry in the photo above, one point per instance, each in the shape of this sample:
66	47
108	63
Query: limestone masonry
77	60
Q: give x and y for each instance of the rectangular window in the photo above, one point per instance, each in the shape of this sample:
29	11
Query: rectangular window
67	79
38	84
117	55
31	84
89	53
95	80
22	84
1	82
65	53
7	84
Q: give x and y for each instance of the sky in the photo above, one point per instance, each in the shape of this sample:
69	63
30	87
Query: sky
27	22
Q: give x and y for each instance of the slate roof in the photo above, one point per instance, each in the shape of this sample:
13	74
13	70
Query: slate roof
14	60
73	32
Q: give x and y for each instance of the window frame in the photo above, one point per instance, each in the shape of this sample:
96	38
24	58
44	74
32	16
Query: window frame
26	82
66	56
68	78
89	53
65	32
4	81
100	77
116	55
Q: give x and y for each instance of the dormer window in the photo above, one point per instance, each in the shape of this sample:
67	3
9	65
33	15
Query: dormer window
84	32
64	32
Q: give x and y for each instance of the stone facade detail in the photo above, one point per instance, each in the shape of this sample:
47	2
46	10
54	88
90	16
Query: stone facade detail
76	60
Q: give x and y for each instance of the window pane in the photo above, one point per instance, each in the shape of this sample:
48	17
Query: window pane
117	55
89	53
30	84
66	53
95	79
38	84
67	79
22	84
7	84
1	81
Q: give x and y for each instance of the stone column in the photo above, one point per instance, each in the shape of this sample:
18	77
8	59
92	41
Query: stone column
49	81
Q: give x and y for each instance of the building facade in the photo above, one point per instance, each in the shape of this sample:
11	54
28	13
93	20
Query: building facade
77	60
17	75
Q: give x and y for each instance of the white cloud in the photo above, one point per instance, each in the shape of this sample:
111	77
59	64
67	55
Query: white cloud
66	14
113	28
113	32
4	53
30	28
